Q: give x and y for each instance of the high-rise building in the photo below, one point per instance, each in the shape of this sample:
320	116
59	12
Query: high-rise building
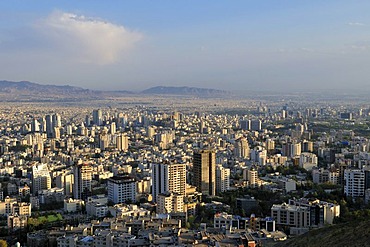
35	125
41	179
65	181
256	125
168	178
307	146
121	189
252	176
49	125
222	179
122	142
82	181
245	124
98	117
56	120
291	149
204	168
241	148
113	128
270	144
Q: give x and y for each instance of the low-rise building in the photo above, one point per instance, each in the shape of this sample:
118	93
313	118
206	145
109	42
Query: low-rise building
96	209
73	205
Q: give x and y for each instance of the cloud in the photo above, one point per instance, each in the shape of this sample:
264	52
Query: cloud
356	24
85	39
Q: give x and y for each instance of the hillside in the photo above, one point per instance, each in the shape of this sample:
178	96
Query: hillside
355	233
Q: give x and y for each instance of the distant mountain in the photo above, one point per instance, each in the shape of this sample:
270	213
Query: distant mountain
26	86
201	92
30	91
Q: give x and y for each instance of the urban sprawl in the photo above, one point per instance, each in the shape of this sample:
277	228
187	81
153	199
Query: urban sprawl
158	172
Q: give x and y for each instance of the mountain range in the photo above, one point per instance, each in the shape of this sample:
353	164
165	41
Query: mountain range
31	89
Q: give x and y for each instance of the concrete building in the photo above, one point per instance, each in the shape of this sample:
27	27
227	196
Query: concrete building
96	209
65	181
121	189
41	179
321	212
222	179
241	149
82	174
320	176
354	182
73	205
296	217
168	178
122	142
308	161
170	202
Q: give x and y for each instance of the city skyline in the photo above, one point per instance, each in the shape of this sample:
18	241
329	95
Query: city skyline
283	45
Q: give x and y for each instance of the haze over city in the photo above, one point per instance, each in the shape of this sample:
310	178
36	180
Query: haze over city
238	45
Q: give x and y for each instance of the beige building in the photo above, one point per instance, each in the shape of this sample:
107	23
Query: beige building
168	178
16	222
170	202
6	206
122	142
22	209
65	181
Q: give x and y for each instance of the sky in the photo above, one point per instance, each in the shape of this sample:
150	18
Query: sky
237	45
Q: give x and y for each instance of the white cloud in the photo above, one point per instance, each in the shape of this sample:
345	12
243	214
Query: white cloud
87	40
356	24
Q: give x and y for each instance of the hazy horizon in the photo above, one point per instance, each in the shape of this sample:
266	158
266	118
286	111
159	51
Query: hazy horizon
234	46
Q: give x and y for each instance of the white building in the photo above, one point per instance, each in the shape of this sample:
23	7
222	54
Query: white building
73	205
96	209
222	179
291	215
41	179
321	175
354	182
121	189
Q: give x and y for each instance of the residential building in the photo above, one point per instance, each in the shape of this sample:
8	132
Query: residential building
82	174
121	189
204	168
41	179
222	179
168	178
